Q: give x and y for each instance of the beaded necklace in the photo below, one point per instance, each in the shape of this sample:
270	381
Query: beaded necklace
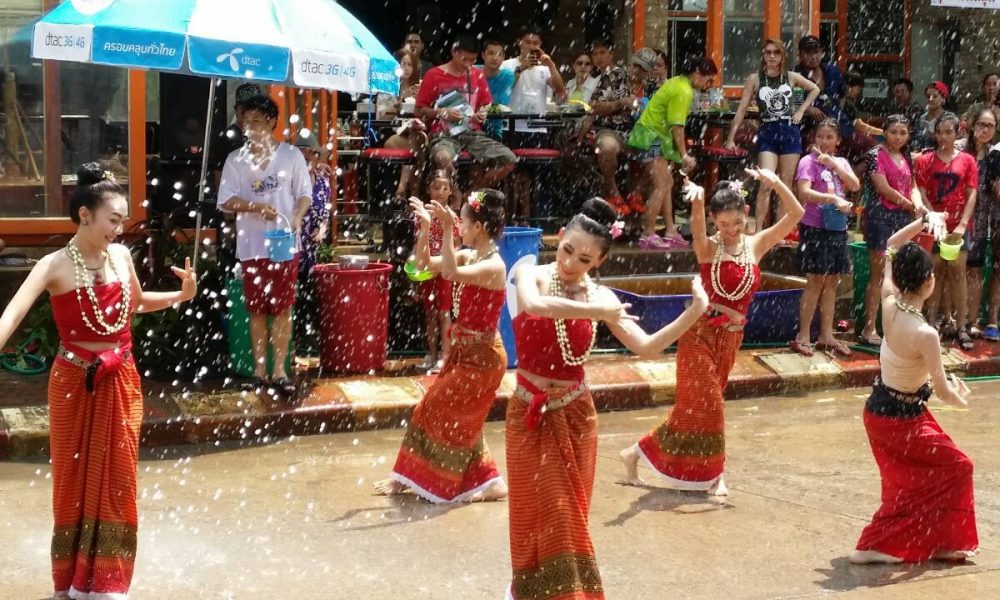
456	290
910	309
556	289
744	260
82	283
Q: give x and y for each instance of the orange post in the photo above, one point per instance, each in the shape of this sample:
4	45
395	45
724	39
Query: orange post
137	144
714	34
815	17
772	19
333	163
324	118
638	24
277	93
310	116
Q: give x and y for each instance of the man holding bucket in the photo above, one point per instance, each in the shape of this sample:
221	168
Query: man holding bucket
267	184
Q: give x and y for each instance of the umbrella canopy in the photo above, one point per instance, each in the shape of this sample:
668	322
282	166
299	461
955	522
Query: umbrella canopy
305	43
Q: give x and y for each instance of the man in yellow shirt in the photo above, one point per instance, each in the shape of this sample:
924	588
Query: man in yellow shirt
659	135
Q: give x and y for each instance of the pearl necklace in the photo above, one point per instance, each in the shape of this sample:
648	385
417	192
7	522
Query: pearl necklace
744	260
80	275
910	309
556	289
456	290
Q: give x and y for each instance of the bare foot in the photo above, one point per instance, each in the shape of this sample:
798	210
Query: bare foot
955	555
389	487
60	596
630	458
719	488
870	557
497	491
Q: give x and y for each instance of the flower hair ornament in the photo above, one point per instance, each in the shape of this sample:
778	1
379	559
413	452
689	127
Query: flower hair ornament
616	229
476	200
108	176
737	186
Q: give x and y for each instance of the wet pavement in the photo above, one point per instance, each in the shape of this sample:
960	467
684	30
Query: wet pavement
296	519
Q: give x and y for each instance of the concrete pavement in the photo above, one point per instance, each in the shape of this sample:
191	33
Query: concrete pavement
296	518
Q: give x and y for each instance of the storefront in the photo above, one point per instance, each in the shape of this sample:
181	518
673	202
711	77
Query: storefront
881	39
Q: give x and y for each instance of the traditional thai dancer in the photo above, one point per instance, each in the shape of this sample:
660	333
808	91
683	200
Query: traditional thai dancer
444	457
551	421
95	402
927	509
689	448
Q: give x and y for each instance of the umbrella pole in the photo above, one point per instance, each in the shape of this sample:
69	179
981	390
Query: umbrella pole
202	182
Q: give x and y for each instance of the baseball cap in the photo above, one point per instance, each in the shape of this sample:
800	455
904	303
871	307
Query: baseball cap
246	92
307	139
644	57
810	42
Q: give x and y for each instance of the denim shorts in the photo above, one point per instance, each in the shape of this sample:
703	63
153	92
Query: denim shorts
646	156
881	222
779	137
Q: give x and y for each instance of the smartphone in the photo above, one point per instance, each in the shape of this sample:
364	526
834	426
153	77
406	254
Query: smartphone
535	55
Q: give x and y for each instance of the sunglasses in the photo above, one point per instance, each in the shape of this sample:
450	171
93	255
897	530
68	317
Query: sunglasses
985	125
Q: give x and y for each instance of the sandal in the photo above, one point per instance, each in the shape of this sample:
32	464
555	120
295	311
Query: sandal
965	340
991	333
255	386
874	340
837	348
285	387
803	348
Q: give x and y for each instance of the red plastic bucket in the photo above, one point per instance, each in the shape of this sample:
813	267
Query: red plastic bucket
925	241
353	317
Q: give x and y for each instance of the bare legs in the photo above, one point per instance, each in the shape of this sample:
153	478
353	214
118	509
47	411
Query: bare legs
762	208
660	199
820	290
276	337
872	295
951	279
608	151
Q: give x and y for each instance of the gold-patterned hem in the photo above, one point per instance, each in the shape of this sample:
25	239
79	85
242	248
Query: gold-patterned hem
562	574
690	443
94	538
452	459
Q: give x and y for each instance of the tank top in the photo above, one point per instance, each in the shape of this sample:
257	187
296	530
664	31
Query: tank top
479	308
68	313
774	98
730	275
538	350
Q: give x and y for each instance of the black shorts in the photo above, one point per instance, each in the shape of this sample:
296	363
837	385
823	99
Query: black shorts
823	251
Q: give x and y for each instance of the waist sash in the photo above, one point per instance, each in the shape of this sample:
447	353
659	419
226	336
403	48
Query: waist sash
541	401
98	364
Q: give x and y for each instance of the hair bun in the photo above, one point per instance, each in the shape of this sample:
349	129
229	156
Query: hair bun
89	174
600	211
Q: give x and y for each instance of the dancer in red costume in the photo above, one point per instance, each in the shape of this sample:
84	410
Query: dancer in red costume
444	457
689	449
927	508
95	404
551	430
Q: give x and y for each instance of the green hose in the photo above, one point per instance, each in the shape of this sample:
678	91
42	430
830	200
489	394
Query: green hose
22	362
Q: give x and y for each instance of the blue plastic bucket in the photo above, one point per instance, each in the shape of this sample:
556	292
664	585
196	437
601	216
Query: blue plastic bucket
518	246
280	244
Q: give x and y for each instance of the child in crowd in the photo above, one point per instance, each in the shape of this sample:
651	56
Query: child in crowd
435	294
985	219
948	181
822	180
893	199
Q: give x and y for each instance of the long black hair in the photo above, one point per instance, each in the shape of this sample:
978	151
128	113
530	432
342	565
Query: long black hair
93	181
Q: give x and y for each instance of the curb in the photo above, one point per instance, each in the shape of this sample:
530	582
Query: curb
372	402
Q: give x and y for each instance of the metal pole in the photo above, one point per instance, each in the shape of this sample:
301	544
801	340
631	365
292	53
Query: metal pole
202	182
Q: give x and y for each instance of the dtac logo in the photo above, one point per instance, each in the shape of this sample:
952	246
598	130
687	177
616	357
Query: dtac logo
328	69
236	58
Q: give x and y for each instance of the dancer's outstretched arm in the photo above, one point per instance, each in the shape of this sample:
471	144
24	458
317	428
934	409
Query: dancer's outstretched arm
651	345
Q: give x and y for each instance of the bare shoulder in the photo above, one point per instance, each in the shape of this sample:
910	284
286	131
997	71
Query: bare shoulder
120	252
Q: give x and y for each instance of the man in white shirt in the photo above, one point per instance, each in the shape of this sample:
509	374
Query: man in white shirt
537	78
267	184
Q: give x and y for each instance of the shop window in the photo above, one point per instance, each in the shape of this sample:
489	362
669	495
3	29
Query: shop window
685	37
93	106
22	162
879	76
875	27
742	36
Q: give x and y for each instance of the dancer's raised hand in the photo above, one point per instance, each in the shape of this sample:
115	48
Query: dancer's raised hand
420	212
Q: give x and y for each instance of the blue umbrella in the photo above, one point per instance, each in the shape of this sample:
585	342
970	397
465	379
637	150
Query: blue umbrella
305	43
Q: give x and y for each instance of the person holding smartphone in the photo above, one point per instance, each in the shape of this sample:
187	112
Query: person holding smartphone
537	79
